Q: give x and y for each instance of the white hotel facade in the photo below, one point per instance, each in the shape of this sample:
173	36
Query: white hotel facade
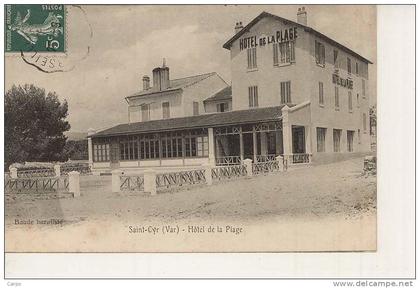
295	92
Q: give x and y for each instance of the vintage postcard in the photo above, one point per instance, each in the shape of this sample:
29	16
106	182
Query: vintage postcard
182	128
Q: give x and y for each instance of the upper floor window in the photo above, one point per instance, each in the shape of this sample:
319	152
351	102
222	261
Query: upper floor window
336	58
195	108
358	101
252	57
222	107
336	98
357	68
363	88
165	110
321	93
319	53
283	53
348	65
350	101
285	92
253	96
145	112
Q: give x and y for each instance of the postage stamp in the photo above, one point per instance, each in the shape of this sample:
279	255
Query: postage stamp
35	27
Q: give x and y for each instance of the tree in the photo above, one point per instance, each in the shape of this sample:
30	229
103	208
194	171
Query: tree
34	125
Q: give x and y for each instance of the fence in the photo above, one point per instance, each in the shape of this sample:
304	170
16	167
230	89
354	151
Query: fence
35	172
150	181
82	168
70	184
131	183
265	167
57	171
180	178
228	172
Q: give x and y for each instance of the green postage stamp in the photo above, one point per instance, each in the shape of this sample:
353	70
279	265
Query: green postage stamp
35	27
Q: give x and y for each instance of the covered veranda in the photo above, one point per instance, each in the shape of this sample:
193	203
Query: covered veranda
226	138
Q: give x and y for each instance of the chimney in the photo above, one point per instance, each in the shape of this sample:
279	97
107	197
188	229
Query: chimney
164	76
161	77
156	79
302	16
146	83
238	27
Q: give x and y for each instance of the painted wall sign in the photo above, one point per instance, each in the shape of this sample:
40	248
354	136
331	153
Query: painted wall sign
279	37
342	81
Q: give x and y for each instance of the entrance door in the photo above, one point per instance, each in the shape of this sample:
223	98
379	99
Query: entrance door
298	138
248	146
115	155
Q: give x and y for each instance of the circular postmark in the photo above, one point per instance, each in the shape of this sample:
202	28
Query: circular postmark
51	38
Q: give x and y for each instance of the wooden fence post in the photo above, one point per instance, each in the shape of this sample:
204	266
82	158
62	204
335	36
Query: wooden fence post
13	173
209	179
150	181
248	165
116	182
74	183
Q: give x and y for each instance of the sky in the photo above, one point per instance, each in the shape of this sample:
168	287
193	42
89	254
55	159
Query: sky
110	48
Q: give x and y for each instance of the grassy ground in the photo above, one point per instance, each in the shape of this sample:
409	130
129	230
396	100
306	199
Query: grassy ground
333	197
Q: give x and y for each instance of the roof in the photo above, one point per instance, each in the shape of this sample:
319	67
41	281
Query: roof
200	121
175	84
224	94
264	14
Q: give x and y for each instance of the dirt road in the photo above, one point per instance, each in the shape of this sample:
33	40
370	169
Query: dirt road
325	207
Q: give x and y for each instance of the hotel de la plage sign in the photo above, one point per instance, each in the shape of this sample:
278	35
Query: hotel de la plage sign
279	37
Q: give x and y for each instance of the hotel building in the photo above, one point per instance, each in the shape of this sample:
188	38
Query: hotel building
295	92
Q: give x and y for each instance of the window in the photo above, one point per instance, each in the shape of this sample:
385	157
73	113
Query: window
252	58
363	88
337	98
172	145
321	93
195	108
320	139
350	101
319	53
253	96
336	138
336	58
357	68
358	136
364	122
358	101
348	65
145	112
101	152
149	146
129	148
283	53
350	136
285	92
165	110
196	146
222	107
